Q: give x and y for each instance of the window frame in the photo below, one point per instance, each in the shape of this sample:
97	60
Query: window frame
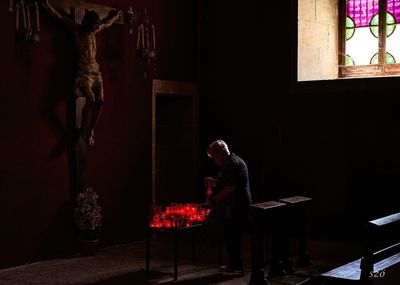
379	70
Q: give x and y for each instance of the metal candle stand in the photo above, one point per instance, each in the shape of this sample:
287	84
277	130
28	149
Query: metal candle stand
175	218
27	19
146	41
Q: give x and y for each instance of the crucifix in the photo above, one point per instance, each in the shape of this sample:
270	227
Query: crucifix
85	20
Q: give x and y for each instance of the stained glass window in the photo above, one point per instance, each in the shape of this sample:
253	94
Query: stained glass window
363	32
393	39
362	23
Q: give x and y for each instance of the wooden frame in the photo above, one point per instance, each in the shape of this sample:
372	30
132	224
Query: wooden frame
76	9
171	89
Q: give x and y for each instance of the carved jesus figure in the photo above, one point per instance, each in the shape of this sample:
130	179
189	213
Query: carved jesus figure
88	81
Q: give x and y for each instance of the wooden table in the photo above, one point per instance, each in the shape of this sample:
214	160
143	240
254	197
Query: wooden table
175	231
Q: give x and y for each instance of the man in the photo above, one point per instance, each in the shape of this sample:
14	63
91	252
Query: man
231	198
88	81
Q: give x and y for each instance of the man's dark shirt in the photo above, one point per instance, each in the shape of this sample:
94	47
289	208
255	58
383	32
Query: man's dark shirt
234	173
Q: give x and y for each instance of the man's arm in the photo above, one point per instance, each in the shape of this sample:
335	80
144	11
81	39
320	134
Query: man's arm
57	14
109	20
225	193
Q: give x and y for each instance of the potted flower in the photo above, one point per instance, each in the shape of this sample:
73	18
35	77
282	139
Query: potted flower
88	218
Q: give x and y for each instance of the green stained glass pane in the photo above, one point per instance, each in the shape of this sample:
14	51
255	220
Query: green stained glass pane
349	60
390	25
389	59
374	59
349	28
374	25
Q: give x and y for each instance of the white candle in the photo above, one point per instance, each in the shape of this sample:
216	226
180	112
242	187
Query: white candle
28	17
23	15
37	17
154	36
130	13
142	28
138	37
17	17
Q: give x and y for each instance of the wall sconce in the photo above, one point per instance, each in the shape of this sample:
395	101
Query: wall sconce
146	41
27	19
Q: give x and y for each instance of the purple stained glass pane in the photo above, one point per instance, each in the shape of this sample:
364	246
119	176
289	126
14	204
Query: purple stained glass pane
362	11
393	7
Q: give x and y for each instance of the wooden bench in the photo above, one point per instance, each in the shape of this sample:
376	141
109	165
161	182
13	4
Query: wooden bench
265	218
381	250
274	225
297	212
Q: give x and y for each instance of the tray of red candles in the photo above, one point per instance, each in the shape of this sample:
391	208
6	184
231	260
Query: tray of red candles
178	215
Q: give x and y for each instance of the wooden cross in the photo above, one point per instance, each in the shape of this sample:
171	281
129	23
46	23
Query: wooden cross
76	8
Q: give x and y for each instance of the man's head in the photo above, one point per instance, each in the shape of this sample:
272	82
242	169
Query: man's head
218	151
91	21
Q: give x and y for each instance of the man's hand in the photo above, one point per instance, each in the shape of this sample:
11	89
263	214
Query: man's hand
109	20
120	14
113	16
209	182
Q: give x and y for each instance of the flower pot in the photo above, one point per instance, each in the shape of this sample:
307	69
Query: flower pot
88	247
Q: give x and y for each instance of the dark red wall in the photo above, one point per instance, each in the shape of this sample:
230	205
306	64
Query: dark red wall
36	117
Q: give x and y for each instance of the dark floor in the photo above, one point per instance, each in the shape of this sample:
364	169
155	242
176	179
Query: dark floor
125	264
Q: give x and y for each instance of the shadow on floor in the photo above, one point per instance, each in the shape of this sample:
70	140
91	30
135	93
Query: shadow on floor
201	280
133	278
161	278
